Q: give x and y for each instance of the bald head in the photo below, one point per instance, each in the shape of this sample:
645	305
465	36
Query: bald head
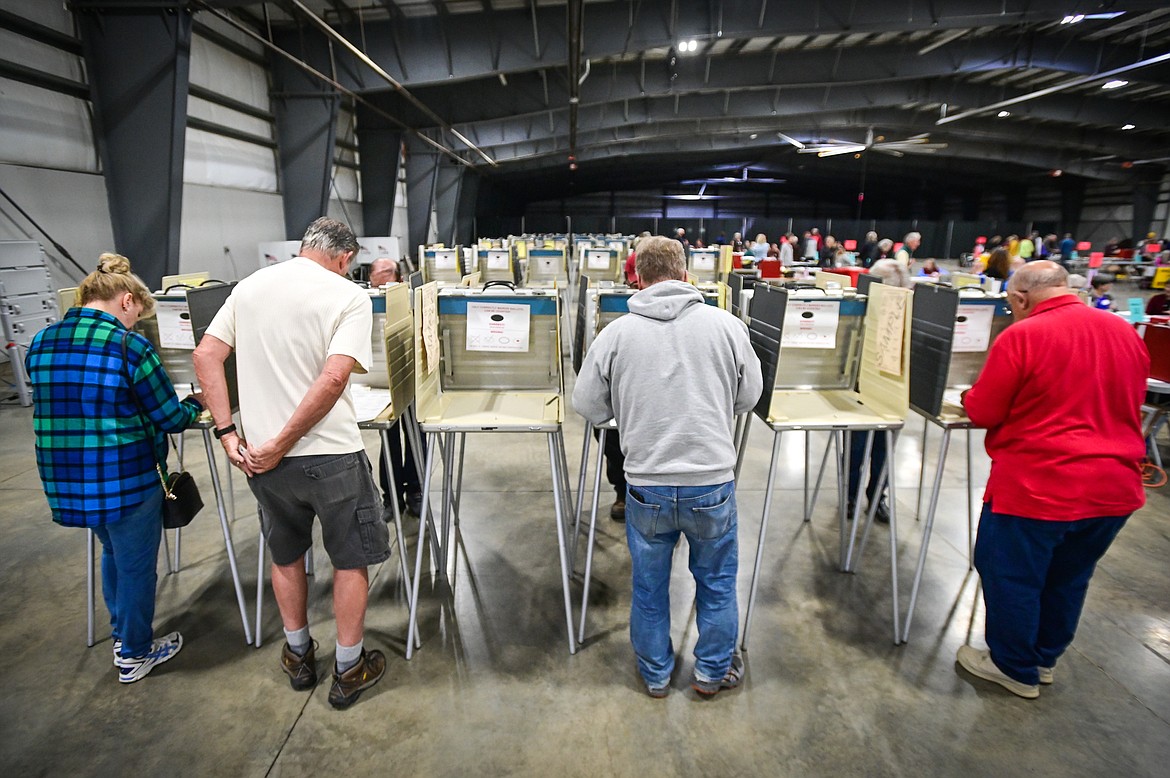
1034	283
383	270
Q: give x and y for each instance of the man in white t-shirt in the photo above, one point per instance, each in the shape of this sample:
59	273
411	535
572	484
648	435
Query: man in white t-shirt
299	328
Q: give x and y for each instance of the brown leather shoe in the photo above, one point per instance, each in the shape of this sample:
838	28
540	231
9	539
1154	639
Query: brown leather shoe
301	670
348	686
617	511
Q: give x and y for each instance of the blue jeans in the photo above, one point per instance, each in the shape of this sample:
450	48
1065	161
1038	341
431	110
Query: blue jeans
655	517
130	573
1035	576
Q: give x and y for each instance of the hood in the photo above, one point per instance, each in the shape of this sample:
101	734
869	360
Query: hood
665	300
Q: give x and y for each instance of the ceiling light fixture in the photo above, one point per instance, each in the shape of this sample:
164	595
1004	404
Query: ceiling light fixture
1073	19
789	139
753	136
1116	83
1127	126
1003	114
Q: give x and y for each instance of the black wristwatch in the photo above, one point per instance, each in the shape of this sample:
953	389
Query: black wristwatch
221	433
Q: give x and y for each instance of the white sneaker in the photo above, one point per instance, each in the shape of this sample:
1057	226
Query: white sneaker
161	650
979	664
1047	675
118	652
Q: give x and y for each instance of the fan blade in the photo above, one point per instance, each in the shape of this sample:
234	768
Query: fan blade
889	151
838	150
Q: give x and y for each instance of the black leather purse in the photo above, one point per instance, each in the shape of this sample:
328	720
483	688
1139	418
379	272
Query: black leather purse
181	495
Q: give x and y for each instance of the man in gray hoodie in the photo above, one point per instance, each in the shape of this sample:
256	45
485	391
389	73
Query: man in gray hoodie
673	374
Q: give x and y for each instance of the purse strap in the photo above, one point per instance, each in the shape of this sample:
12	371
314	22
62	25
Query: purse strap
142	418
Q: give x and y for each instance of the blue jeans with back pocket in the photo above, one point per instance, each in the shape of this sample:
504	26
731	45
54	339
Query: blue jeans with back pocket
655	517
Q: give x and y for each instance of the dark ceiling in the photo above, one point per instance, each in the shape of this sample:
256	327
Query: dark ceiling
493	79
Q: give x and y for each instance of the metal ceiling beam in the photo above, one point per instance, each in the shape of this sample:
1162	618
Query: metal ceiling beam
878	66
612	30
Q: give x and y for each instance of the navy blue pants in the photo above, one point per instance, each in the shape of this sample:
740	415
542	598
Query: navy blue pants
1035	576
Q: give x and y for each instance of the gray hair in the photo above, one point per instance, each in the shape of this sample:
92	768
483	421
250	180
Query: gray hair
329	236
871	237
1038	275
659	259
912	236
885	244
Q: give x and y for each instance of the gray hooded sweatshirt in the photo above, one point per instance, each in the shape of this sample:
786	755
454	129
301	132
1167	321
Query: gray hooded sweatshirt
674	372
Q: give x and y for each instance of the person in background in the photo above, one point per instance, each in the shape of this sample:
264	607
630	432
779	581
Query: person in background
102	408
299	329
786	253
384	270
999	264
1158	304
867	254
736	243
1102	285
910	244
1065	471
674	374
828	253
811	247
1110	249
930	269
1068	247
885	250
773	251
1027	248
681	236
1013	247
759	249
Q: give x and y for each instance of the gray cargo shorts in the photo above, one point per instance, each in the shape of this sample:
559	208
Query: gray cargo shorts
339	490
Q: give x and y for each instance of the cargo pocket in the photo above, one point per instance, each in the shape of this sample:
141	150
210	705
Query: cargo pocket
375	534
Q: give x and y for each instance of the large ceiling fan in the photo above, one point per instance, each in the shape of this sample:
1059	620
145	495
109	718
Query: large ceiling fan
916	144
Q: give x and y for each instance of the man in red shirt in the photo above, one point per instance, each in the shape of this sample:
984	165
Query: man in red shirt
1060	397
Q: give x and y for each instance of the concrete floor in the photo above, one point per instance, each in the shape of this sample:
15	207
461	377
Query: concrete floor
493	691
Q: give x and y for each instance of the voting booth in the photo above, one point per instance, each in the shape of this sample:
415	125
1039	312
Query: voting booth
495	264
489	360
951	332
602	264
442	264
545	267
838	340
703	264
182	316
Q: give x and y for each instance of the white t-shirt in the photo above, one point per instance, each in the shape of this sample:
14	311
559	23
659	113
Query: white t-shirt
284	321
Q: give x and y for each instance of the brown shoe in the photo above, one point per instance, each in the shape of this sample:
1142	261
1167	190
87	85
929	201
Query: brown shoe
301	670
617	511
348	686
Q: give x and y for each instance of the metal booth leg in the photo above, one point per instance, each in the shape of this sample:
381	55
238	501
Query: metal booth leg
747	623
458	498
558	504
259	580
921	470
811	504
741	448
400	536
891	442
227	534
862	480
448	501
932	506
592	533
412	630
90	594
580	504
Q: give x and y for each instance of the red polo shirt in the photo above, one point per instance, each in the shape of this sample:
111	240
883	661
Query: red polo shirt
1061	397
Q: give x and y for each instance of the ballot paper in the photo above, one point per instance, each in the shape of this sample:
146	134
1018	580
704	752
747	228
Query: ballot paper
497	327
174	325
445	260
973	328
597	260
703	261
430	326
368	402
497	260
891	327
810	324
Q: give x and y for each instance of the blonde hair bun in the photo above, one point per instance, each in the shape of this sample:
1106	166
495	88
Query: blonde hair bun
113	263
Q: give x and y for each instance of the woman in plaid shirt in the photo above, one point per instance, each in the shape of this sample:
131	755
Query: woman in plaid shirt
96	460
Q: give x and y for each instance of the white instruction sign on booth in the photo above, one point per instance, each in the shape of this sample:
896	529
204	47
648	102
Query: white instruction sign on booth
704	260
445	259
973	328
497	260
810	324
174	325
597	260
497	327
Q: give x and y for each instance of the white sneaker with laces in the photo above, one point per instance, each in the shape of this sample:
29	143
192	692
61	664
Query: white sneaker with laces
980	664
161	650
1047	674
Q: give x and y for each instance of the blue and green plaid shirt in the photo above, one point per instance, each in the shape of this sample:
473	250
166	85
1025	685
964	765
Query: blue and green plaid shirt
95	459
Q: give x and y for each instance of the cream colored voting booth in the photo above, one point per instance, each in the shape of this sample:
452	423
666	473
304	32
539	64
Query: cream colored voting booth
488	361
441	263
810	348
951	334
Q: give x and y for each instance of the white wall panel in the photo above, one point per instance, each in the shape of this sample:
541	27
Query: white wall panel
214	160
72	207
221	71
221	228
